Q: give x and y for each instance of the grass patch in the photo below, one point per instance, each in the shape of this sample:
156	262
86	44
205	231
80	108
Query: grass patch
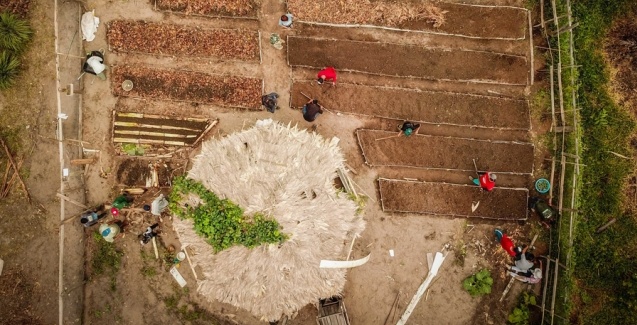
107	260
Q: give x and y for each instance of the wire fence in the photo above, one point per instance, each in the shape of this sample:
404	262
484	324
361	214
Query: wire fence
556	24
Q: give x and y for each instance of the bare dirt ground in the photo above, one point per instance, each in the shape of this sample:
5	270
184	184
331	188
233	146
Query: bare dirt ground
139	290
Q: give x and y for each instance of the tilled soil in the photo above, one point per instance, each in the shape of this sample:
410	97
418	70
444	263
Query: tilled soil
188	86
415	105
459	19
231	8
437	152
408	61
452	199
170	39
133	172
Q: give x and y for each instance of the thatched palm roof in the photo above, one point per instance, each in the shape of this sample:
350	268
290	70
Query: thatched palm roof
287	174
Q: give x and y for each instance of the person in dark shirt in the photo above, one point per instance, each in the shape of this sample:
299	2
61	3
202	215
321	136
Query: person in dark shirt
311	110
270	102
408	128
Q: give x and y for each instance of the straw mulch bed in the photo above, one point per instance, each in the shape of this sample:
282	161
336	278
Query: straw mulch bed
169	39
17	7
286	174
367	12
163	84
233	8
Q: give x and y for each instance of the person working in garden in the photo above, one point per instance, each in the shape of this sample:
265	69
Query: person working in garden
505	242
485	180
328	74
311	110
524	261
408	128
270	102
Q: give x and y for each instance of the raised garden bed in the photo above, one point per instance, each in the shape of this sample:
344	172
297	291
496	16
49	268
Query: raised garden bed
163	84
436	152
408	60
216	8
495	22
137	128
136	172
169	39
452	199
415	105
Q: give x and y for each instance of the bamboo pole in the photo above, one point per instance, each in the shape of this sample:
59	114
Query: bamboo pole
16	170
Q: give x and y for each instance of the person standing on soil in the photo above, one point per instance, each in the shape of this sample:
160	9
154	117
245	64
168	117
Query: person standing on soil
328	74
485	180
286	21
311	110
505	242
270	102
524	261
408	128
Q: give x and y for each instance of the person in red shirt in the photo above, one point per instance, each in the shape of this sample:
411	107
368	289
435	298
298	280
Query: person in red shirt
505	242
329	74
485	180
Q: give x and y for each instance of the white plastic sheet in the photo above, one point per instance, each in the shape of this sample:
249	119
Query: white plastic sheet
89	25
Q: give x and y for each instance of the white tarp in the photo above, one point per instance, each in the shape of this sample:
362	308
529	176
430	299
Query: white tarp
89	25
95	62
327	264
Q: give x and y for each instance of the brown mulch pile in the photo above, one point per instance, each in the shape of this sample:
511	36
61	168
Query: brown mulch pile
188	86
234	8
17	7
168	39
382	13
621	49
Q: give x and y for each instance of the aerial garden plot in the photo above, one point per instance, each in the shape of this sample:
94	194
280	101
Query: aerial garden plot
433	107
129	36
384	148
408	60
453	200
179	85
476	21
222	8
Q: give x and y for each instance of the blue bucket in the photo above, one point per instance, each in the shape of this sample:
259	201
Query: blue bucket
542	185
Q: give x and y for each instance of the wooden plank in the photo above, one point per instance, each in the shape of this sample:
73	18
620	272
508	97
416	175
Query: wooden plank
16	170
68	199
84	161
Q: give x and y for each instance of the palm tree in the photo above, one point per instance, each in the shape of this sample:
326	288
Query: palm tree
14	32
8	69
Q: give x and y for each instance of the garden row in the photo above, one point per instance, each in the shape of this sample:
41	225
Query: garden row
452	200
179	85
408	60
169	39
384	148
421	106
230	8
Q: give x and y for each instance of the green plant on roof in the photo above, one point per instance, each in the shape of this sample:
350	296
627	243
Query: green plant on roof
478	284
9	65
220	221
15	33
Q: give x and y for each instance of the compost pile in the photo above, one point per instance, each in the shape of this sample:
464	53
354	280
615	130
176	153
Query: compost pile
366	12
168	39
189	86
286	174
239	8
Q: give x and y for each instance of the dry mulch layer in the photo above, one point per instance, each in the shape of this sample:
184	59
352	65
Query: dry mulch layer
437	152
17	7
452	199
231	8
408	60
415	105
136	172
169	39
163	84
449	18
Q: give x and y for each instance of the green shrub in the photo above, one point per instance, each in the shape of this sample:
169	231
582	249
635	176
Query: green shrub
9	68
222	222
15	33
478	284
520	314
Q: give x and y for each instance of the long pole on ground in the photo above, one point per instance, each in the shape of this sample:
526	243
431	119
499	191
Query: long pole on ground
423	287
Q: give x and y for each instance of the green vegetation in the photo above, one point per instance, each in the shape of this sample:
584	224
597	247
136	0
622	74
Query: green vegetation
106	259
15	34
133	149
604	263
189	312
478	284
521	313
221	222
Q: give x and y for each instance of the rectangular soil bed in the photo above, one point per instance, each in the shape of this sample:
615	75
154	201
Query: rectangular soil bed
492	22
138	172
213	8
452	199
169	39
408	60
163	84
415	105
436	152
154	129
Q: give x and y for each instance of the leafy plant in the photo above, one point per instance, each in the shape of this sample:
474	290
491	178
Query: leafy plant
133	149
222	222
478	284
15	33
520	314
9	65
